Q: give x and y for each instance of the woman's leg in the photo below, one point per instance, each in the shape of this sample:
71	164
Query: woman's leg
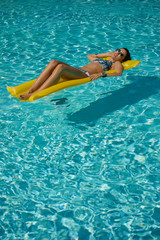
44	75
42	78
61	69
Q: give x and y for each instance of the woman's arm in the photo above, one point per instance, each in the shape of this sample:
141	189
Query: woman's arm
118	68
92	57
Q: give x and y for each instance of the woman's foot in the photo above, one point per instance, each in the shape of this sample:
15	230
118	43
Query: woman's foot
25	96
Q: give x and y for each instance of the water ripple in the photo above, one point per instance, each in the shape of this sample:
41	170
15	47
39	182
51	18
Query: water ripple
86	169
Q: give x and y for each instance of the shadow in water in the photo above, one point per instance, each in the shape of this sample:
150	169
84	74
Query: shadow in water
60	101
140	88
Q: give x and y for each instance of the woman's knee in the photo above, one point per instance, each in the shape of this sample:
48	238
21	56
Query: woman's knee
54	62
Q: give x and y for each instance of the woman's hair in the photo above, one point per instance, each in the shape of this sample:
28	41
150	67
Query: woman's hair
128	56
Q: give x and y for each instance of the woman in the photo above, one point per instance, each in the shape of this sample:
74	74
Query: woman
93	70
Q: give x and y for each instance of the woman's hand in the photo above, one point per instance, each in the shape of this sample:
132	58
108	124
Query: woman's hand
111	54
95	76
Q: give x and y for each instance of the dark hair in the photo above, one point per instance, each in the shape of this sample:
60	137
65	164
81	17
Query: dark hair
128	56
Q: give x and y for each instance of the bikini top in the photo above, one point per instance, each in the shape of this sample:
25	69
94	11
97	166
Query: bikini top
106	64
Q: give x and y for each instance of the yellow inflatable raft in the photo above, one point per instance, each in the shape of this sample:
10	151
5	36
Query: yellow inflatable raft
62	84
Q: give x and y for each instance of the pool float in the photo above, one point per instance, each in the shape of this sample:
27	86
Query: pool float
62	84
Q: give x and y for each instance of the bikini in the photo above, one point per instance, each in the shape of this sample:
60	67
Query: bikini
106	65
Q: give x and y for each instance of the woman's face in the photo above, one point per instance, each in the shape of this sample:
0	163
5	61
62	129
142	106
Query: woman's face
120	54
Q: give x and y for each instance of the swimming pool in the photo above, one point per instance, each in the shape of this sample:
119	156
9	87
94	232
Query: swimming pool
83	163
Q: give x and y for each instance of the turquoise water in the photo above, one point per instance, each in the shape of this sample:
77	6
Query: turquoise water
83	163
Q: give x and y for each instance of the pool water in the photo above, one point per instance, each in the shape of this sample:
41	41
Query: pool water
82	163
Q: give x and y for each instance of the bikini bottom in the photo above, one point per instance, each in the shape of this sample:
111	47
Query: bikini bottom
87	73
